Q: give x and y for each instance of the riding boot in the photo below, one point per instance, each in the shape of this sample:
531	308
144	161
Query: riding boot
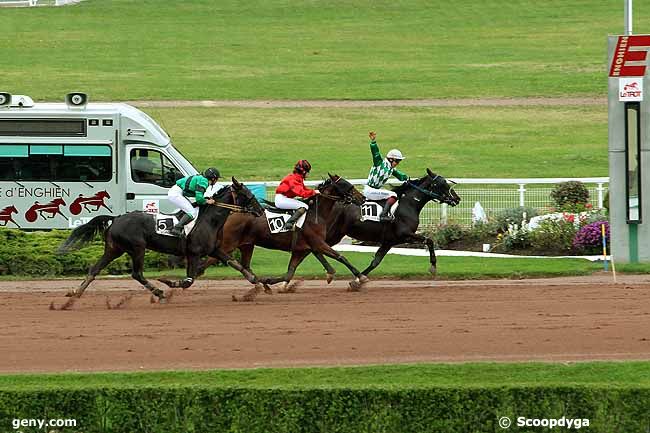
178	228
385	213
291	222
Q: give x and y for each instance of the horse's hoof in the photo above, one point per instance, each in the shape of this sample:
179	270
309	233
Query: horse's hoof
433	270
355	286
330	278
71	293
267	289
363	279
162	300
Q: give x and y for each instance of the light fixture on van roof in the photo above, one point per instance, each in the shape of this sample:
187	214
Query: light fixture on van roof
76	99
5	99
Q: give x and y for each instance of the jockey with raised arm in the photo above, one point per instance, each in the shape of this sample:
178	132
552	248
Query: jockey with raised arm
381	170
293	185
191	186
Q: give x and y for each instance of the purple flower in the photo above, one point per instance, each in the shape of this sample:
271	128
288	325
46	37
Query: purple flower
589	237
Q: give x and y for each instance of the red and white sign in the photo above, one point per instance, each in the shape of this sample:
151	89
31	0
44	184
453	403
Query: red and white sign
150	206
630	89
630	56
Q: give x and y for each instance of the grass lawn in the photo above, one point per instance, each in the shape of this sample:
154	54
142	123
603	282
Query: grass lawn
474	375
457	142
290	49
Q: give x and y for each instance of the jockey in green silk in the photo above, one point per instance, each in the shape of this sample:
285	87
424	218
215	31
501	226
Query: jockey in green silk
382	169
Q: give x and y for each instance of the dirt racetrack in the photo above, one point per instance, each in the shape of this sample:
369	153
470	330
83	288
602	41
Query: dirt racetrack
389	322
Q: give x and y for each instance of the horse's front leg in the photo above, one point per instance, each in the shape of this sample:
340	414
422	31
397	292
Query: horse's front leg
328	268
249	275
204	264
137	257
296	258
417	238
360	278
376	260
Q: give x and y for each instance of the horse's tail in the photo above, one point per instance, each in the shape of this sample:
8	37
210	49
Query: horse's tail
85	233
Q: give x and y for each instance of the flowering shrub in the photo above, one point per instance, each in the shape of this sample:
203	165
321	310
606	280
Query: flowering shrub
516	238
570	196
554	236
511	216
589	237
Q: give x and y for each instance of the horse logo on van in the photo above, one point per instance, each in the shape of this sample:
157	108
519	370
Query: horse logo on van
96	200
6	216
51	208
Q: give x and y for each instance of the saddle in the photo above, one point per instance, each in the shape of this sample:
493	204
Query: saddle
277	217
271	207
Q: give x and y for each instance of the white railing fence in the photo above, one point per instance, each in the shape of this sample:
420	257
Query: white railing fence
494	195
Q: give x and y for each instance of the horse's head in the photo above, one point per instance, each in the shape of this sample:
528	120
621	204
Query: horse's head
245	198
342	190
441	188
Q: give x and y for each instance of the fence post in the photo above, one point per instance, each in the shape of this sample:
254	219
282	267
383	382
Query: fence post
522	190
443	213
600	190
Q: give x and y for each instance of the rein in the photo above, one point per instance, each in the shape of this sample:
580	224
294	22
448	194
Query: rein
232	207
426	192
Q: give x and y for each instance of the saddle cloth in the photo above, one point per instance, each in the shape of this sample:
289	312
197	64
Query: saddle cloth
165	222
370	210
276	220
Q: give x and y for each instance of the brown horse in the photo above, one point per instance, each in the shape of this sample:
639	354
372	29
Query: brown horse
246	231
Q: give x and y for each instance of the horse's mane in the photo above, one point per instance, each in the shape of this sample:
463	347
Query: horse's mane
324	183
222	192
404	187
218	196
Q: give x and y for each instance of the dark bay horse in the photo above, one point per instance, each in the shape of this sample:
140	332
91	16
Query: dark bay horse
413	196
135	232
246	231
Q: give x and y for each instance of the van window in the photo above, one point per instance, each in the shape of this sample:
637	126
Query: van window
151	166
62	163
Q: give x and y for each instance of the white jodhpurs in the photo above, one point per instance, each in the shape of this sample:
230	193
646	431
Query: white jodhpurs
284	202
175	195
377	194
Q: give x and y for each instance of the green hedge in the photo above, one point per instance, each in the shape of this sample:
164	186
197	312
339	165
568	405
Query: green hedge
35	253
201	409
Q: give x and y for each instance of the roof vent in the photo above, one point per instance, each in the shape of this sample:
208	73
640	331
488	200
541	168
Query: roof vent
21	101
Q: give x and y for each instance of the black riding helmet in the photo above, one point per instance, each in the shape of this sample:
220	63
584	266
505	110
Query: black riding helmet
211	173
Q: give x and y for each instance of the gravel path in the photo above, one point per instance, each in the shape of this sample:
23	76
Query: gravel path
484	102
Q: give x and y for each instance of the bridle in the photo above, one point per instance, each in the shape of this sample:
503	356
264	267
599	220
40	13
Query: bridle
246	208
345	198
432	195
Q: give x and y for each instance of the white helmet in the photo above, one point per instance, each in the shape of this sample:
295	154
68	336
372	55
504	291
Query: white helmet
394	154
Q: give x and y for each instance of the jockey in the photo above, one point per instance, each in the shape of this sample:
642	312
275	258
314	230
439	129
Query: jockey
293	185
191	186
380	171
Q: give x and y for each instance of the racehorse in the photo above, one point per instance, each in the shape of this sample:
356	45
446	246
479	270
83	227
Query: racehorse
135	232
246	231
413	196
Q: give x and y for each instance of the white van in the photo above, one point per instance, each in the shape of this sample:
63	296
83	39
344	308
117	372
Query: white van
62	164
